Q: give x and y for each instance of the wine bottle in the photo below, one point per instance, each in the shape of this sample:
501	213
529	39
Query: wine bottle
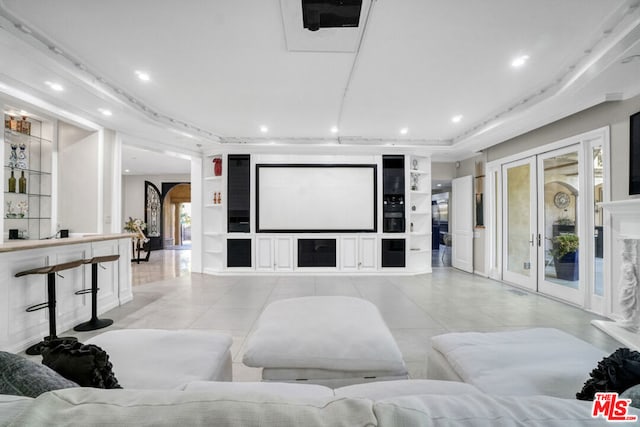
22	183
25	126
12	183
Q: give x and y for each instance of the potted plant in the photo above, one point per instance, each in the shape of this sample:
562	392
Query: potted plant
565	256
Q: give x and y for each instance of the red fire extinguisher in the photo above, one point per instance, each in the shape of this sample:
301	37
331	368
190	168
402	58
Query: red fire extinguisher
217	166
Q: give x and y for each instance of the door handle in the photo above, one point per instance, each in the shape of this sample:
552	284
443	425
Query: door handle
539	239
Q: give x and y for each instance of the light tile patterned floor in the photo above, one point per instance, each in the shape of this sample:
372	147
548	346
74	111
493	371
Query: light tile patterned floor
416	308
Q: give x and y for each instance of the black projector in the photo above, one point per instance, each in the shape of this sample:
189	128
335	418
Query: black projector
318	14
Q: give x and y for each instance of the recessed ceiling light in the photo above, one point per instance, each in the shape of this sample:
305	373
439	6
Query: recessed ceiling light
457	118
264	129
519	61
438	185
105	112
143	75
127	170
334	129
404	131
54	86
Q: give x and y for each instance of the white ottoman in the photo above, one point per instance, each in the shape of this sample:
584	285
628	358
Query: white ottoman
333	341
540	361
162	359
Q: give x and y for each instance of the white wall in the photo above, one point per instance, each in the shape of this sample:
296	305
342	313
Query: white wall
614	114
78	179
133	192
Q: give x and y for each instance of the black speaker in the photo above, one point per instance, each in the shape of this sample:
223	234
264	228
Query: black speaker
64	233
13	234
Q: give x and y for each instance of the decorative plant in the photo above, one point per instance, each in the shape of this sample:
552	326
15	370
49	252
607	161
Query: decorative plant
23	208
565	244
565	221
134	225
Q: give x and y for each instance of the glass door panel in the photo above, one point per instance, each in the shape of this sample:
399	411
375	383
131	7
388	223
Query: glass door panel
558	223
598	232
519	257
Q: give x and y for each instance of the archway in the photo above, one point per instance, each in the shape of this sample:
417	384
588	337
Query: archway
176	213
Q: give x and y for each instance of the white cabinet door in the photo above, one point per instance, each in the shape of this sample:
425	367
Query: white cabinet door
358	253
349	253
264	251
274	253
368	250
283	250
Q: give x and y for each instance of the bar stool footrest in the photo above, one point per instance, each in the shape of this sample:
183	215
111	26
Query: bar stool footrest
37	307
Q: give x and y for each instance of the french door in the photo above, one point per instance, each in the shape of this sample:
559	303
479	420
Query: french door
559	221
541	219
520	223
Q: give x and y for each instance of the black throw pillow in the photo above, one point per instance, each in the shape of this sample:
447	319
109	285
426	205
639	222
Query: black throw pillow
614	373
86	364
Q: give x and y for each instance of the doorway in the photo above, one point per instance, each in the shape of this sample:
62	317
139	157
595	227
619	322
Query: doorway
176	210
541	223
547	227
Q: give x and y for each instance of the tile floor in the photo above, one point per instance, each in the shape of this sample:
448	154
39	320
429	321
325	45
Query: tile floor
167	295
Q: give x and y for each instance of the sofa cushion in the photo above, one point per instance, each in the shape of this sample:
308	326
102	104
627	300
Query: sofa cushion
388	389
539	361
88	406
11	407
479	409
274	389
332	333
164	359
22	377
632	393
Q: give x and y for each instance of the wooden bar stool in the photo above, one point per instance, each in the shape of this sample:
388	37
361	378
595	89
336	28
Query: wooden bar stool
51	272
95	323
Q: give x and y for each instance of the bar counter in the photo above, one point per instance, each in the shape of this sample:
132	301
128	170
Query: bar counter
22	329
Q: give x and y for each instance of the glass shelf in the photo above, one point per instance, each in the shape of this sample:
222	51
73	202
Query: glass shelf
28	171
26	218
22	136
26	194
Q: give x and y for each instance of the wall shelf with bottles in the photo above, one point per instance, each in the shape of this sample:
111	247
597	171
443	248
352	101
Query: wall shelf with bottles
27	180
213	215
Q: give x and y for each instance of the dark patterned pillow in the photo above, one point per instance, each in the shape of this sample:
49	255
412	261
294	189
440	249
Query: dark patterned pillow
22	377
86	364
614	373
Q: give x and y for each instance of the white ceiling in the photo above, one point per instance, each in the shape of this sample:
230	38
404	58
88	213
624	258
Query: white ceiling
221	69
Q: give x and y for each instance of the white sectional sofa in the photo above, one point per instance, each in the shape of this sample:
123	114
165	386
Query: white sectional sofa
389	403
499	393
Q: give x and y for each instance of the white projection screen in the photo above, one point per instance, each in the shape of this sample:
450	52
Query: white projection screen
315	198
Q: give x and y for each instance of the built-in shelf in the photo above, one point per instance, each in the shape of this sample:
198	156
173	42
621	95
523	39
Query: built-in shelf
418	250
418	171
213	205
27	157
213	178
213	233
